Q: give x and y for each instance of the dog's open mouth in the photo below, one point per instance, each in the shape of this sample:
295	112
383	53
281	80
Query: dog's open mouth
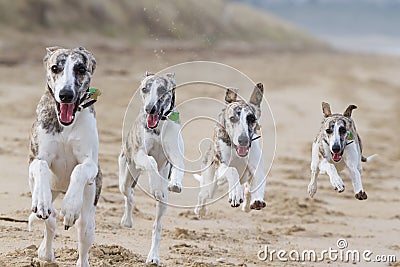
152	120
66	112
242	151
336	156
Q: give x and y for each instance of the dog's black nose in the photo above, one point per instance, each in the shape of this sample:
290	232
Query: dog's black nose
66	95
243	140
336	148
151	109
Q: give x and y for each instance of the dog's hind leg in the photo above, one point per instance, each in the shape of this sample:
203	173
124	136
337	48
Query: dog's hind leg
126	184
247	196
208	184
160	189
312	187
86	225
45	251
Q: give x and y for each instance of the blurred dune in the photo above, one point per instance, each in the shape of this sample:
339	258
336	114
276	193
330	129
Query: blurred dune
202	22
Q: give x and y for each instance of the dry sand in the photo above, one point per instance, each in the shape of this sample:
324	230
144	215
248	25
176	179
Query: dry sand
296	83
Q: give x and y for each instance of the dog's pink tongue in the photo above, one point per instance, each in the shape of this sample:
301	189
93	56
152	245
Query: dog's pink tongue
242	150
152	120
66	112
336	156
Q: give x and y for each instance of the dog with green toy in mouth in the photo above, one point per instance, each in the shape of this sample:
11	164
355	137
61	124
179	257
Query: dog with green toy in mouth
154	144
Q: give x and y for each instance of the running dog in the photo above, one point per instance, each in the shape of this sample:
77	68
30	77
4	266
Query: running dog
235	155
154	144
337	146
64	150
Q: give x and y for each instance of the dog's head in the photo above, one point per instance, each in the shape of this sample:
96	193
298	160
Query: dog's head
69	72
158	95
240	119
336	129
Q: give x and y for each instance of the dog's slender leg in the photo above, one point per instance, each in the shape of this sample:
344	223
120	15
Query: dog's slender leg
86	225
247	196
81	176
235	188
256	167
45	251
312	187
145	162
160	189
334	177
357	184
174	149
352	161
208	184
126	182
39	181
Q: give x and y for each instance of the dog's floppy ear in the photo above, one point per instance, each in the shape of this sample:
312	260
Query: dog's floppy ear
170	76
349	109
91	59
256	96
326	109
50	51
231	94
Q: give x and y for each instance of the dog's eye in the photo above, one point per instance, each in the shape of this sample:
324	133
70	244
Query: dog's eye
233	119
329	131
342	130
81	70
145	90
55	69
251	118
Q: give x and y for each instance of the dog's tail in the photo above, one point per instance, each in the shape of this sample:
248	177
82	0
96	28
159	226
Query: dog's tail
364	159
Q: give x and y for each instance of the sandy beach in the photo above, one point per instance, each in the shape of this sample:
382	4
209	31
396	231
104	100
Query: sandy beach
295	84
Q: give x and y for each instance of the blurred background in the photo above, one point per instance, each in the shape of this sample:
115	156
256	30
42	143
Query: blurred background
304	51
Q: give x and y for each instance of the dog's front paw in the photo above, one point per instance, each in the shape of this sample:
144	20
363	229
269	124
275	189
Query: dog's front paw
257	204
337	184
70	211
175	187
41	204
361	195
153	259
312	189
236	196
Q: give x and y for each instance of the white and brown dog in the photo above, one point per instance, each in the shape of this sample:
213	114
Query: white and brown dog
64	150
154	144
235	154
337	146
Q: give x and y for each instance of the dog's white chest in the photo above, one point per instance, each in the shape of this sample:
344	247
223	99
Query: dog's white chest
62	161
62	165
64	150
